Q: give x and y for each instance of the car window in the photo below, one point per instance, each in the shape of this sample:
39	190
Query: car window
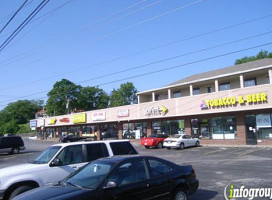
70	155
122	148
158	168
96	150
129	172
46	155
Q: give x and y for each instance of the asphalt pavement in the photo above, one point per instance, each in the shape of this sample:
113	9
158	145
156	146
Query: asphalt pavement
216	167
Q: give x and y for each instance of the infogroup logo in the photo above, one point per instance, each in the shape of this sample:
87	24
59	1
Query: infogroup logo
232	193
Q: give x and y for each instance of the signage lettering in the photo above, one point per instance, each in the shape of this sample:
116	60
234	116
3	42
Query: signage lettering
155	110
122	113
231	101
79	118
64	120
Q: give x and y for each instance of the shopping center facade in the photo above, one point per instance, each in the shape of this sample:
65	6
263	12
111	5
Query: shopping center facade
232	105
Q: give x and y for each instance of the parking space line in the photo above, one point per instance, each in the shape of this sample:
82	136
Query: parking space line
215	151
248	152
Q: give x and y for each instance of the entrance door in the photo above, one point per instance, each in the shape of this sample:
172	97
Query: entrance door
251	134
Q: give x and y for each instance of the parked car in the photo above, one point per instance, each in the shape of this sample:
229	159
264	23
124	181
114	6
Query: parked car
71	138
154	140
123	178
180	141
57	162
11	144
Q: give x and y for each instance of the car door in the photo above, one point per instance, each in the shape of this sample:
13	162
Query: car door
160	181
70	159
191	141
131	179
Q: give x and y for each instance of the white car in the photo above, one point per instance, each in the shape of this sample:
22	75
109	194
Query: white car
55	163
180	141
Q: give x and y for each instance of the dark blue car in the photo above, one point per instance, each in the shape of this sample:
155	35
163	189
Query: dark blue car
124	178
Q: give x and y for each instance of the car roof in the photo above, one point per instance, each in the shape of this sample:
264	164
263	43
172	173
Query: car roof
120	158
89	142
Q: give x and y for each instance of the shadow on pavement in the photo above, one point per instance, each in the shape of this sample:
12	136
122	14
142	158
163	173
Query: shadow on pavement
203	195
22	152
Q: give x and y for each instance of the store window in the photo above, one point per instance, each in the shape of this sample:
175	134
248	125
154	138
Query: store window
209	89
177	94
89	131
134	130
74	130
264	126
224	86
170	127
50	132
108	131
196	91
250	82
214	128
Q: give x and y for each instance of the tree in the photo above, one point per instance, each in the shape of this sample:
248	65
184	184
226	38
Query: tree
62	98
92	98
125	95
19	112
261	55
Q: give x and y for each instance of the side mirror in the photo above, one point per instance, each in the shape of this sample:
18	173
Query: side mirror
110	184
55	162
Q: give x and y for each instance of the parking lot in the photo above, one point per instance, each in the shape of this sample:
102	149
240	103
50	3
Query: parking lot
216	167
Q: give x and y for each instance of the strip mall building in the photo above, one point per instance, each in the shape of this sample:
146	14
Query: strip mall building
232	105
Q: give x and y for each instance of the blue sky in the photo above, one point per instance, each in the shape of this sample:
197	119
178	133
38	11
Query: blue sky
84	40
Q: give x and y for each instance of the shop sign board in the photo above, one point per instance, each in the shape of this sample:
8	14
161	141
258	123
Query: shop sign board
155	110
64	120
263	121
52	121
40	122
79	118
33	123
232	101
99	116
123	113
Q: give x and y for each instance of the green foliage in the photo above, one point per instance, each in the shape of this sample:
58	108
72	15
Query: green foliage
64	92
24	128
261	55
125	95
92	98
19	112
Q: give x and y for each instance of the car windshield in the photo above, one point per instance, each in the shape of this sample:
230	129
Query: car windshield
91	176
46	156
176	136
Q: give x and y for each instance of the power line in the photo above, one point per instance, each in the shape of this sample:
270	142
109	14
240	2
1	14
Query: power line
125	28
157	71
23	24
13	16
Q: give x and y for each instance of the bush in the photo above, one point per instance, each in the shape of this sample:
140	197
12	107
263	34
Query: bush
24	128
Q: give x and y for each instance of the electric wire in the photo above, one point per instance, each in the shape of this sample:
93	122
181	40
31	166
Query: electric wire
23	24
17	11
155	71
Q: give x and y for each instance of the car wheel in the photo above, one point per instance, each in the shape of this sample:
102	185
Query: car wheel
197	144
181	146
14	151
179	194
19	190
159	146
147	147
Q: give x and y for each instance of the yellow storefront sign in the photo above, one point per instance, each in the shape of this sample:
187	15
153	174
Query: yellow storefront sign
79	118
231	101
52	121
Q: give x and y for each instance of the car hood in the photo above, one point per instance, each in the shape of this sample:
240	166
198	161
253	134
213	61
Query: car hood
21	169
57	193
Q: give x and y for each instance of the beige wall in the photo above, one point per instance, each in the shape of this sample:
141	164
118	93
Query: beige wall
183	106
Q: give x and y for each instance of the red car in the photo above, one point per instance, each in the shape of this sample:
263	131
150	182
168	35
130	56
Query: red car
153	141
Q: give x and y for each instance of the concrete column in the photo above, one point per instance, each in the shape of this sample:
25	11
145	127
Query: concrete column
216	86
187	126
139	101
98	132
242	81
153	96
191	90
120	130
270	75
169	94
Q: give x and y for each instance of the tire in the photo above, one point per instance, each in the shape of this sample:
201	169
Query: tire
19	190
159	145
197	144
14	150
147	147
179	194
181	146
